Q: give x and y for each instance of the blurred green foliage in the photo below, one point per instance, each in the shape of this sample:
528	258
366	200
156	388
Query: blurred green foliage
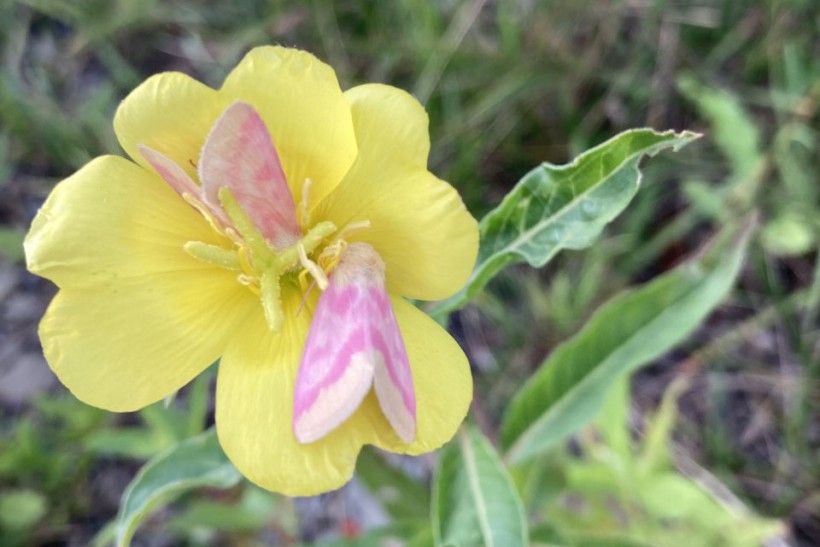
508	85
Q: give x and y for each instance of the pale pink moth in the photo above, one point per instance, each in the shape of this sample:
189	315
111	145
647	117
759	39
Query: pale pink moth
354	343
238	154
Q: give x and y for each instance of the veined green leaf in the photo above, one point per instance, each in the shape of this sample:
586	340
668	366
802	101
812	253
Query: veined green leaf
557	207
474	500
194	463
629	331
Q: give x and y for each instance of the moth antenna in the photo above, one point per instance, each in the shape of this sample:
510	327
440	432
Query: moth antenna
305	296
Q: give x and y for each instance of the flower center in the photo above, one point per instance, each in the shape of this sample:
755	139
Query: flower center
262	268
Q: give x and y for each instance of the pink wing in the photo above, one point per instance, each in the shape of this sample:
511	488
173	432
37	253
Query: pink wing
170	171
240	154
178	179
354	343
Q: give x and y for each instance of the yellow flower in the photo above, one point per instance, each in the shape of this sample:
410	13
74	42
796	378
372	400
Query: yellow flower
137	316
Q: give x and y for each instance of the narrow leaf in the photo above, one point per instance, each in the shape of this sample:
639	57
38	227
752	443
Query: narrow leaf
628	332
474	499
733	129
557	207
194	463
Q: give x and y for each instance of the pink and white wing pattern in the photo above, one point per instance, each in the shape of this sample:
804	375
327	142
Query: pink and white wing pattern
178	179
354	343
239	154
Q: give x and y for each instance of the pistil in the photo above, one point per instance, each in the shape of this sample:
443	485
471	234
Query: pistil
260	265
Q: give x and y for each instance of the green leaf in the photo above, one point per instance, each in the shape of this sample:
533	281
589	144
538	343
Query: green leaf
20	509
129	442
474	500
11	243
613	419
254	510
194	463
557	207
655	449
788	235
629	331
733	130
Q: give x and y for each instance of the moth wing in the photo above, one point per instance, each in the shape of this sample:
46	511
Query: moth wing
335	373
168	169
353	343
239	153
393	380
178	179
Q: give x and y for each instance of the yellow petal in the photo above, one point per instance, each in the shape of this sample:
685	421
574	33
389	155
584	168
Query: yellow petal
170	113
254	410
124	347
254	403
441	379
137	317
305	111
113	220
419	224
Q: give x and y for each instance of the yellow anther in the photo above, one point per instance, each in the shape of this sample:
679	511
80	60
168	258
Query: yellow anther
234	237
331	255
250	282
244	261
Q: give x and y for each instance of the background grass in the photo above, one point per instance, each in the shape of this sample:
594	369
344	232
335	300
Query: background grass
508	84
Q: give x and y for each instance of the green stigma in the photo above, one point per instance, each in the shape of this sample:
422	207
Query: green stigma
261	266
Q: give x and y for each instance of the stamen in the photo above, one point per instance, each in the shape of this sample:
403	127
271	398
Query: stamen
250	282
352	227
244	262
313	268
306	201
234	237
212	254
331	255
